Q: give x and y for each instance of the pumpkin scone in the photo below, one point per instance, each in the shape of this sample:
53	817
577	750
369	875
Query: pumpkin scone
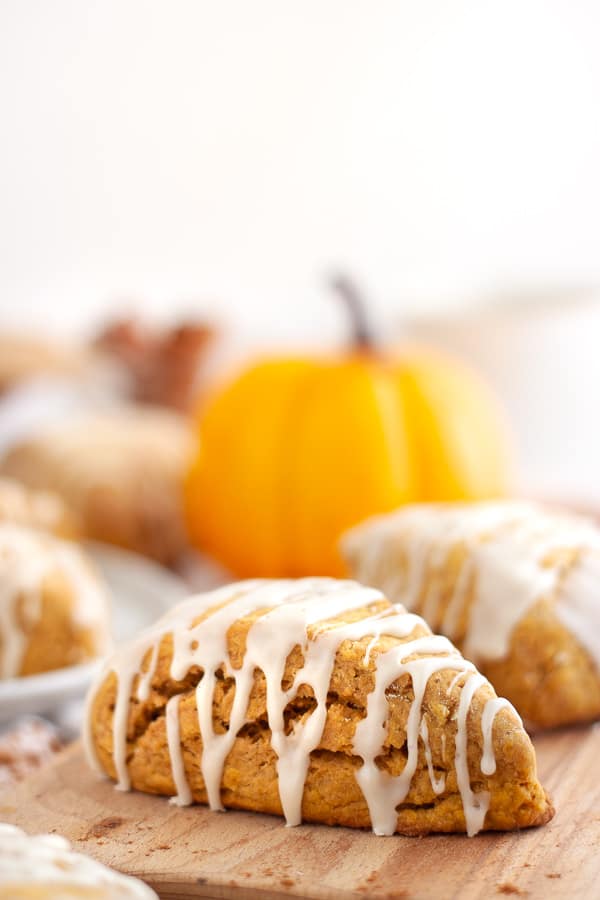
45	867
54	609
514	585
121	473
319	700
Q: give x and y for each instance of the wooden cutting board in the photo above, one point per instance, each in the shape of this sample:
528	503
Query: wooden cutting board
189	853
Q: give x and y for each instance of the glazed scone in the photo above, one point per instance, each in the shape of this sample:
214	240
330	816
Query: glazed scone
36	509
45	867
54	608
319	700
515	586
120	472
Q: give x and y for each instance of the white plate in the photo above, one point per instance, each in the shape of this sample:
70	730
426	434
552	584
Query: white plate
141	591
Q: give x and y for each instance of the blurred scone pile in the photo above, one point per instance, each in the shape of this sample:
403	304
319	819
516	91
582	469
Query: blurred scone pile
103	428
118	471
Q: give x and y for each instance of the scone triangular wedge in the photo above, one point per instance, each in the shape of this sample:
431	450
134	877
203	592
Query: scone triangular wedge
319	700
514	585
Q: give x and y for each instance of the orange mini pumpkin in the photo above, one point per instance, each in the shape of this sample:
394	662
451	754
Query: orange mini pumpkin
296	450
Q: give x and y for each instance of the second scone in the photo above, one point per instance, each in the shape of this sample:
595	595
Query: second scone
514	585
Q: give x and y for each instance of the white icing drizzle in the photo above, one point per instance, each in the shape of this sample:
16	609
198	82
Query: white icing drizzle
438	784
383	793
381	623
27	558
183	796
488	717
47	863
145	678
282	612
126	676
475	806
455	681
505	547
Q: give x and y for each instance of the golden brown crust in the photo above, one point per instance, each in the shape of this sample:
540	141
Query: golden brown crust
332	794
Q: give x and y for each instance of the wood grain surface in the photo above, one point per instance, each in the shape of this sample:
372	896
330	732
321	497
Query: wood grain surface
189	853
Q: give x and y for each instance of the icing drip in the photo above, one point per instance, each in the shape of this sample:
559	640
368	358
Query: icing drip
455	681
475	806
126	676
304	613
145	679
490	710
45	865
27	558
378	625
183	796
504	556
438	784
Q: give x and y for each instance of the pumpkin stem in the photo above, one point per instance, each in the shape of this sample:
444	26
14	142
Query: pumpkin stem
354	301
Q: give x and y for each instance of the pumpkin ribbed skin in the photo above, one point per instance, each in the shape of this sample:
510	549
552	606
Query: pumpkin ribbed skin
296	451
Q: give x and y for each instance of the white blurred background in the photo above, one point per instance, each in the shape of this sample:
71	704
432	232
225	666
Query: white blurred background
191	156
